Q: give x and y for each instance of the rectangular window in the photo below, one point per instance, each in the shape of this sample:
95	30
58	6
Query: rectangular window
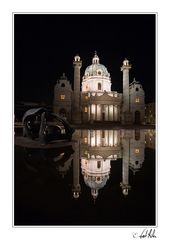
137	100
62	97
86	97
85	109
137	150
85	140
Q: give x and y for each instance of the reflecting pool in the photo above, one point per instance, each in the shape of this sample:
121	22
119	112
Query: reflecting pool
102	177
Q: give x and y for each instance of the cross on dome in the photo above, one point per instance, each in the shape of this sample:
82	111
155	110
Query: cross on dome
95	59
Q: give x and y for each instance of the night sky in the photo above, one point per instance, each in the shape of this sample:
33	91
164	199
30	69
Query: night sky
45	45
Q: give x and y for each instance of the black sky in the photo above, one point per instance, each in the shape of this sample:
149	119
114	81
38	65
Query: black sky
45	45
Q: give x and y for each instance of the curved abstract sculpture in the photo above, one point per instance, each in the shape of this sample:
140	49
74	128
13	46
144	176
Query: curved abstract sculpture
37	124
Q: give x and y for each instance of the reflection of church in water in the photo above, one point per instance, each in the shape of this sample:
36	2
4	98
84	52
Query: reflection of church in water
96	102
95	150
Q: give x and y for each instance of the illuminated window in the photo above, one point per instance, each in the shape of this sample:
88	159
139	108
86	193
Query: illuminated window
86	97
62	97
98	164
99	86
137	150
137	100
85	140
85	109
98	179
115	95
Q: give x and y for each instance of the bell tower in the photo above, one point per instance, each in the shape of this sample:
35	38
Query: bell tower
76	115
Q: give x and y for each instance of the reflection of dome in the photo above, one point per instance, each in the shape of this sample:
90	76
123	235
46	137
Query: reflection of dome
95	183
96	69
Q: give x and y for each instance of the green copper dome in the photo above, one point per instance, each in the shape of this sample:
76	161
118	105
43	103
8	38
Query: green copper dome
96	69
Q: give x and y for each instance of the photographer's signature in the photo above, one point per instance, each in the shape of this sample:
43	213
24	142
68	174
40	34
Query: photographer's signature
146	233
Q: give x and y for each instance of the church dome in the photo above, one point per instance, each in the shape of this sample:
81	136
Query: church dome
96	69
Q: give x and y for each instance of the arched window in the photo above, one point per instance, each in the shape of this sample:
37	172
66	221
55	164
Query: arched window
98	164
137	134
62	85
137	89
99	86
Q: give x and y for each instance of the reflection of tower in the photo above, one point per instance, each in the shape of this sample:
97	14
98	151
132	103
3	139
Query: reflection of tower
137	150
76	170
125	165
126	115
77	63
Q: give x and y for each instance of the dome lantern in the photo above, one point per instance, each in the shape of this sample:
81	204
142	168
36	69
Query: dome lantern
95	59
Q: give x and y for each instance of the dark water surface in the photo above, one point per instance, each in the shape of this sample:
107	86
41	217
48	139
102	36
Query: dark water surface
105	177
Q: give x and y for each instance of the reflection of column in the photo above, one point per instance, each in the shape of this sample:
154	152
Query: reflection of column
95	111
108	113
95	137
115	138
88	112
125	166
76	170
89	137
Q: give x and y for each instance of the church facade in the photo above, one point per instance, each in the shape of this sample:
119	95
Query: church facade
92	100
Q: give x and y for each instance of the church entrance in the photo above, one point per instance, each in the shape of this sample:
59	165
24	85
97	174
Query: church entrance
103	116
137	117
62	112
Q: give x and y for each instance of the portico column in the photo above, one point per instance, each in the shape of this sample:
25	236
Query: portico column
108	113
96	113
88	112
